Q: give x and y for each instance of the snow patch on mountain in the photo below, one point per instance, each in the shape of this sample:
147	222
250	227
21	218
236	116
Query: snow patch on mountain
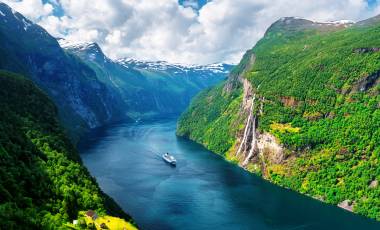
175	67
93	51
74	45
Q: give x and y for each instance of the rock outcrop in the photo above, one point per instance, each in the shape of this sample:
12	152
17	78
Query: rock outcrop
254	146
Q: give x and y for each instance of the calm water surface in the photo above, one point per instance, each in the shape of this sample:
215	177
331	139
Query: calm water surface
202	192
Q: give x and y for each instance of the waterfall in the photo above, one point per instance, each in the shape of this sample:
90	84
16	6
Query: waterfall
247	128
253	142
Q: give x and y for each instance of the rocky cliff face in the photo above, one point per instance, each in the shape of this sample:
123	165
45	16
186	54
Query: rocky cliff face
83	101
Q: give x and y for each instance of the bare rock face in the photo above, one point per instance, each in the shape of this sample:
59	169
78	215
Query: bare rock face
347	205
367	82
366	50
247	95
255	146
374	184
289	101
236	77
269	149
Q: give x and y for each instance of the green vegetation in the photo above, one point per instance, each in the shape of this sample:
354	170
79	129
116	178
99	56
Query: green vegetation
101	222
212	119
42	181
321	89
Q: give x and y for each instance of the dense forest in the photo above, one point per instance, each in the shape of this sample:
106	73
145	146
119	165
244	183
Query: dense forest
42	181
319	89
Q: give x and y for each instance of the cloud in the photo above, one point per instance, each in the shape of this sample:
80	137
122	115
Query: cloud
33	9
164	30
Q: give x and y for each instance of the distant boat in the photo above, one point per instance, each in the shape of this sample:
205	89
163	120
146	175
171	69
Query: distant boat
169	159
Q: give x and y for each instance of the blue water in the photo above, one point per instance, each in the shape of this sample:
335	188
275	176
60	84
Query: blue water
202	192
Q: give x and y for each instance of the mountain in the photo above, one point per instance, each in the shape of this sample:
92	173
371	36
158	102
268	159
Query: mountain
89	88
28	49
148	89
43	184
302	110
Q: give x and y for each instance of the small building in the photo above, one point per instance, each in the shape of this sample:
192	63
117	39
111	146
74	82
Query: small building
92	214
103	226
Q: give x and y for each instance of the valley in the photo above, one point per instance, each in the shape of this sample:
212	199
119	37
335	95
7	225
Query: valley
289	138
202	192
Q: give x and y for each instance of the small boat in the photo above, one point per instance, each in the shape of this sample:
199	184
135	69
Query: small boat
169	159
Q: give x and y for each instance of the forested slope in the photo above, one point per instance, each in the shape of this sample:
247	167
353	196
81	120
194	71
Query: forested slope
302	109
42	181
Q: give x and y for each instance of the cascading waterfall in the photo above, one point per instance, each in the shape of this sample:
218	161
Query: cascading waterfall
253	142
249	128
243	143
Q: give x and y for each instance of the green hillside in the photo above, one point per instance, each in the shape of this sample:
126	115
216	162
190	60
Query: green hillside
318	85
42	181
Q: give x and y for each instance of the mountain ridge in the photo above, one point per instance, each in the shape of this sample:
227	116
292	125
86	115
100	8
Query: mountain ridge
301	110
89	88
83	101
148	89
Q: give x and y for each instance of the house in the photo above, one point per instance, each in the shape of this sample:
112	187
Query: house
103	226
92	214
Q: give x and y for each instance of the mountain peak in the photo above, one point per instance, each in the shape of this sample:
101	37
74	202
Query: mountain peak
369	21
90	49
293	24
66	44
7	14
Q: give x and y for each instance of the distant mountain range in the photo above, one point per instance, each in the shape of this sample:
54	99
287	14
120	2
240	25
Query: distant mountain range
43	184
89	88
148	89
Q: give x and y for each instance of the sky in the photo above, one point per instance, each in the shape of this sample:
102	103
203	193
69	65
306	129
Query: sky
179	31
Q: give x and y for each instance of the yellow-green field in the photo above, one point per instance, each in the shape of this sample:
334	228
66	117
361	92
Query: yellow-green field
113	223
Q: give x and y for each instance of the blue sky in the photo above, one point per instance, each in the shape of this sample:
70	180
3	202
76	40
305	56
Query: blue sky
372	2
184	31
199	3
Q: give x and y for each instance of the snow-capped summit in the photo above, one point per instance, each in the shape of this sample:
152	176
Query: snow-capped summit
92	50
67	44
173	67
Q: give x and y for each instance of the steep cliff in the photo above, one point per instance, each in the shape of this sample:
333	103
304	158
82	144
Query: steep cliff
26	48
302	109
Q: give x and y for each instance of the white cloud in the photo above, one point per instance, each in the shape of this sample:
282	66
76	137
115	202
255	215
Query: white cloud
33	9
164	30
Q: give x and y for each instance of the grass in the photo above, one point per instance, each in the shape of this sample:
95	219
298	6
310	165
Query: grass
283	128
111	222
